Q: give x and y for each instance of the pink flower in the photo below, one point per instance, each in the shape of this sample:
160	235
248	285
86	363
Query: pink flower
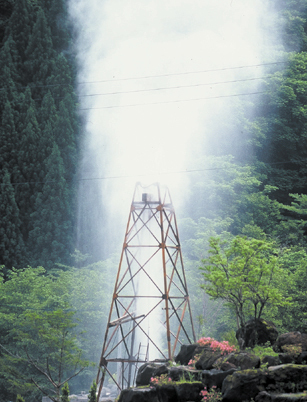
215	345
203	392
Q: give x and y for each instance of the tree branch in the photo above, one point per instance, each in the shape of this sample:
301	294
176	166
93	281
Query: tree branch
72	376
44	392
40	370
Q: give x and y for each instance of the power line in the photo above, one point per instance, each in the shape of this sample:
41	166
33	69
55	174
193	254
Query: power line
175	87
165	88
151	76
149	174
172	101
184	73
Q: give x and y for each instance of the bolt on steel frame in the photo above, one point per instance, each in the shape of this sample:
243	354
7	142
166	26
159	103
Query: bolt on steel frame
150	312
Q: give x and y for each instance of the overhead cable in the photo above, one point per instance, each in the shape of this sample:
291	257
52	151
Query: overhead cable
184	73
172	101
150	174
153	76
174	87
165	88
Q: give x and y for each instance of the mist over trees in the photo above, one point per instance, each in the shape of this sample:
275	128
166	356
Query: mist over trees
257	191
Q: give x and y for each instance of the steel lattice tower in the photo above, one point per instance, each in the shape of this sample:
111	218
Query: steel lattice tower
150	311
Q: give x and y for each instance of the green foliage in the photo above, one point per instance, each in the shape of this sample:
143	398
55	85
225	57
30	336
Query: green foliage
283	122
65	393
19	398
48	241
11	242
39	341
33	73
230	337
19	27
294	13
293	317
90	290
92	394
39	52
242	273
262	351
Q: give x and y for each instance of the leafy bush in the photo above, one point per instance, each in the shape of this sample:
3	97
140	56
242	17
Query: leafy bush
222	347
262	351
92	394
65	393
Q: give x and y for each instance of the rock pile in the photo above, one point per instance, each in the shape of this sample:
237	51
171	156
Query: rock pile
238	376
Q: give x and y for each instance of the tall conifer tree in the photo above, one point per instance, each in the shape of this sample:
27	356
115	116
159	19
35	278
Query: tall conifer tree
39	53
52	232
29	163
65	136
20	27
36	120
9	76
12	250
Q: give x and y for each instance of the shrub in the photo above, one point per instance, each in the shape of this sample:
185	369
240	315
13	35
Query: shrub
65	393
222	347
92	394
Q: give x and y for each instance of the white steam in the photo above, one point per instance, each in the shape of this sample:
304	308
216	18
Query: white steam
137	135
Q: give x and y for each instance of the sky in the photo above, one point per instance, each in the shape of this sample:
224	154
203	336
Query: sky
155	78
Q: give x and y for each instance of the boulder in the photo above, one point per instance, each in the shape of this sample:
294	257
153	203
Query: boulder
298	397
285	358
207	358
266	397
294	357
247	384
225	366
271	360
186	353
148	370
215	377
161	369
166	393
243	385
257	332
294	342
263	396
138	395
243	360
189	391
180	373
183	392
302	358
286	378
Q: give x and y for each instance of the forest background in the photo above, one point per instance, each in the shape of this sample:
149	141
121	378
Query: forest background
41	137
